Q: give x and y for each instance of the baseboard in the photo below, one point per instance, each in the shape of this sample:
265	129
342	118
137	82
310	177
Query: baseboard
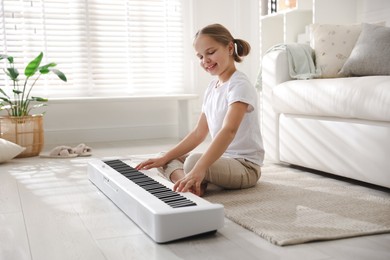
71	136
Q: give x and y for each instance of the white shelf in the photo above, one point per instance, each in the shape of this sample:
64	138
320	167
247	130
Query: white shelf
295	23
284	26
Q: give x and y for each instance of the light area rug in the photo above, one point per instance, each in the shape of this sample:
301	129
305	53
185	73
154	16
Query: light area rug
290	206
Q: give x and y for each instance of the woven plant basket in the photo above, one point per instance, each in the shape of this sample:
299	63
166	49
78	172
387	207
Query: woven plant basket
26	131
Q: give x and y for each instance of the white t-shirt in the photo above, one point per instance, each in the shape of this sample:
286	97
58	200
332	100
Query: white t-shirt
247	143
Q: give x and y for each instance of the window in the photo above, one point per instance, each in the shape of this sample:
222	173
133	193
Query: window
105	48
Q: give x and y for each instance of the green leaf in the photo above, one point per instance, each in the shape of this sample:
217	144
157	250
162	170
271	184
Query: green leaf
45	69
3	92
12	73
39	99
33	66
6	100
9	58
18	92
59	74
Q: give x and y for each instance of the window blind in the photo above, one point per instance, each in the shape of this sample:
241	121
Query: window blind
105	48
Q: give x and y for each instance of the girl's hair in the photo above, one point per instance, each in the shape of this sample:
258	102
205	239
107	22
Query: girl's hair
222	35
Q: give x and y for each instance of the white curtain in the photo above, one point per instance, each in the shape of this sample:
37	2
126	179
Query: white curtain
104	47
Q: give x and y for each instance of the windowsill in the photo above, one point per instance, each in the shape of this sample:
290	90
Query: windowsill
176	97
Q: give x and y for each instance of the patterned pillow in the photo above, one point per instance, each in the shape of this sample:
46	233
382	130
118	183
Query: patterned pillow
9	150
332	46
371	54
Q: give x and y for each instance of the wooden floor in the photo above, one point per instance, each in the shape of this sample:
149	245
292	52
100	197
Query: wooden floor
50	210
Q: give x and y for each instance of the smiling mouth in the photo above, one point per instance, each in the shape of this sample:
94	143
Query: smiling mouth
211	67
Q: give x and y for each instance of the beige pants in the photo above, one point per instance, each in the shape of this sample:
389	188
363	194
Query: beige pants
226	172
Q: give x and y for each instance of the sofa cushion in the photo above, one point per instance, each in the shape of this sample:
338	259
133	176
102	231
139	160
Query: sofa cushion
356	97
9	150
371	54
332	44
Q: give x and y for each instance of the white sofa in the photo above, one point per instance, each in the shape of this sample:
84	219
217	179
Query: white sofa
336	125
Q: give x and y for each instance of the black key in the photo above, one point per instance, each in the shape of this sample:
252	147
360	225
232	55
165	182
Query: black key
137	177
148	185
165	195
177	204
173	198
186	205
129	171
140	180
161	190
122	168
184	201
152	188
146	182
114	162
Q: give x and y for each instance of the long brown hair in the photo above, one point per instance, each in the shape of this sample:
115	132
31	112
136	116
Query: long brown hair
222	35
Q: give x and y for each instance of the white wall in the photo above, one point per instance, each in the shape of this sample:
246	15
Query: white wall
376	11
332	11
70	121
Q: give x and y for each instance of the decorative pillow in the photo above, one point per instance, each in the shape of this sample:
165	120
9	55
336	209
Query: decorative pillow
9	150
371	54
332	46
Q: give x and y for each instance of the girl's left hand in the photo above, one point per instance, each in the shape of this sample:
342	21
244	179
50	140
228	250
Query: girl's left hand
190	182
151	163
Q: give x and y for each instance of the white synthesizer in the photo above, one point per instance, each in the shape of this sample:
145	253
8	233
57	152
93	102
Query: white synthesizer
163	214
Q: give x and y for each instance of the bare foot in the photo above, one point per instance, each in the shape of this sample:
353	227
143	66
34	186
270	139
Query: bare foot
203	188
176	175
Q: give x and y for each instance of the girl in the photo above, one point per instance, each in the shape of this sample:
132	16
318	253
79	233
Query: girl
229	114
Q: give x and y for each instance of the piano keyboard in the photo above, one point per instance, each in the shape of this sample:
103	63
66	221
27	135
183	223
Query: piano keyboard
166	195
163	214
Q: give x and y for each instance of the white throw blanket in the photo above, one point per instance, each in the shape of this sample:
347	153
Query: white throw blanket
300	61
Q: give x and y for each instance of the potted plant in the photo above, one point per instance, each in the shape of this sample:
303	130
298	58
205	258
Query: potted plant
20	126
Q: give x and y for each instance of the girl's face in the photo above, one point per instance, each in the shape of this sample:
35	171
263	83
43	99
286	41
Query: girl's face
214	57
